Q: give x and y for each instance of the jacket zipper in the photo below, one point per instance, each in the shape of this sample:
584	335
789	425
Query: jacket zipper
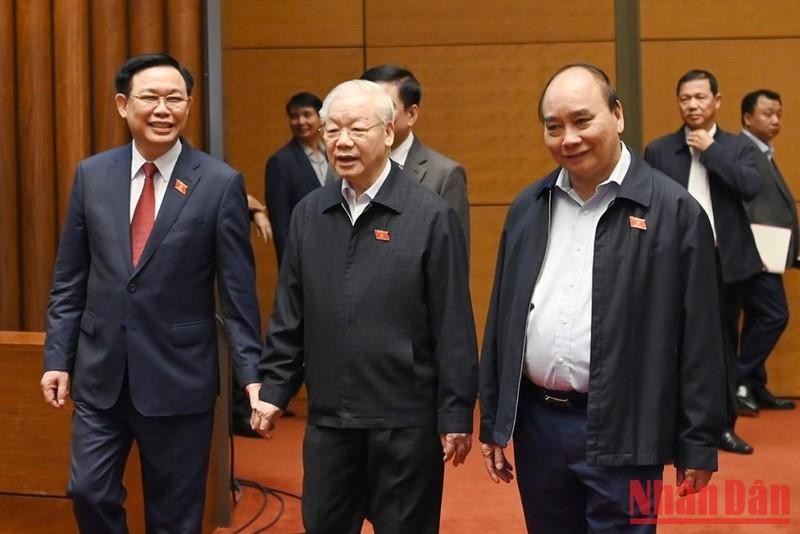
528	318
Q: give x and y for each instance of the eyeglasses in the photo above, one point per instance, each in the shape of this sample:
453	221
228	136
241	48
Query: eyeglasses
355	132
171	102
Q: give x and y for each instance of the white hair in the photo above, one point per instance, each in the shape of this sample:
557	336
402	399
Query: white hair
381	102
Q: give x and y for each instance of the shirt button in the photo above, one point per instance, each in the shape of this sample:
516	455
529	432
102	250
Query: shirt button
561	360
564	321
131	288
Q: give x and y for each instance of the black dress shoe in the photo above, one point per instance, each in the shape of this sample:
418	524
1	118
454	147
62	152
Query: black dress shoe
732	443
746	406
767	401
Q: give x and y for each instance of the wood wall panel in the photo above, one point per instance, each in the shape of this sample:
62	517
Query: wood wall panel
256	87
108	35
72	100
722	19
25	514
783	366
479	106
36	156
740	67
299	23
443	22
185	42
146	22
9	204
485	228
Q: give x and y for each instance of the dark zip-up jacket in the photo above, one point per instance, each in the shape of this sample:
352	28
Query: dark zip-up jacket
655	386
376	315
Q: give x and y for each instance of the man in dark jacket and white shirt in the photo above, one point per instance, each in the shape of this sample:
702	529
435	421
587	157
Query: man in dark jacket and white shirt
373	308
602	356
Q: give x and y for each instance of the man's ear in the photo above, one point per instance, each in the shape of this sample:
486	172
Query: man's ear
413	114
122	104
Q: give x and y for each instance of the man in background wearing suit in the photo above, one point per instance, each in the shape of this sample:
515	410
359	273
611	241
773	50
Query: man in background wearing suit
719	169
373	308
766	312
131	325
298	168
438	173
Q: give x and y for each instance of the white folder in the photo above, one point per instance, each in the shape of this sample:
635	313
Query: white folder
773	246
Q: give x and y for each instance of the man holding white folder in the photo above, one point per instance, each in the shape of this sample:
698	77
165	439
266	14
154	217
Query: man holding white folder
774	222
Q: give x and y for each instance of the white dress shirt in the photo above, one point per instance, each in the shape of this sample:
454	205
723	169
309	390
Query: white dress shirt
698	182
165	165
400	154
356	206
559	329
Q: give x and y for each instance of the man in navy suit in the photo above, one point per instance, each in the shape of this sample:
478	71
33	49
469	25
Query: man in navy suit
131	327
719	170
298	168
764	305
600	355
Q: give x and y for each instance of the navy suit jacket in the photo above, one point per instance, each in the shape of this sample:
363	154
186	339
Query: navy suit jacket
733	178
155	322
289	177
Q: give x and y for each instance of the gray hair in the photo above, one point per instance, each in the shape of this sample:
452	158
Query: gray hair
381	102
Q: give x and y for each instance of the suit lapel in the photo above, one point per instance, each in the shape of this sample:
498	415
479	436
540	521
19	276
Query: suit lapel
119	190
775	172
683	157
417	160
307	171
187	170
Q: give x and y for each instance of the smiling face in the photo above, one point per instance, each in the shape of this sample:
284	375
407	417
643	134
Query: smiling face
580	131
155	129
305	123
358	158
697	104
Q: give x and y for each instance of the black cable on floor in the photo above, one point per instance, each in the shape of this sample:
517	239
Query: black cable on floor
266	492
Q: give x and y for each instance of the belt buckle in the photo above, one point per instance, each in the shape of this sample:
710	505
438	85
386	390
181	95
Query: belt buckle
556	401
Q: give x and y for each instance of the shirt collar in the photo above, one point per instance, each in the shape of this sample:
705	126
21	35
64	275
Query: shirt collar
617	174
308	152
372	191
766	148
400	154
164	163
712	131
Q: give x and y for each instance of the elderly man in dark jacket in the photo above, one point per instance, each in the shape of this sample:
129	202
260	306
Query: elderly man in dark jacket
602	356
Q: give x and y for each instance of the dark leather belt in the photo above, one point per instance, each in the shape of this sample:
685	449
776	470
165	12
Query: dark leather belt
565	400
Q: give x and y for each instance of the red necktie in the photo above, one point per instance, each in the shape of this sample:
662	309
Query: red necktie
144	214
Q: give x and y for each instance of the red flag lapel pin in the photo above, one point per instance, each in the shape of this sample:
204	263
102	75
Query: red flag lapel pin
636	222
181	186
382	235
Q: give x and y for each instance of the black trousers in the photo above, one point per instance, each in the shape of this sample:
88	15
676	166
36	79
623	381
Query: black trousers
174	453
393	477
765	317
730	309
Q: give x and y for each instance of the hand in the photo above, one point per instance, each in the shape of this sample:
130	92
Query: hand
263	228
699	139
55	387
456	446
263	415
260	220
496	464
691	480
